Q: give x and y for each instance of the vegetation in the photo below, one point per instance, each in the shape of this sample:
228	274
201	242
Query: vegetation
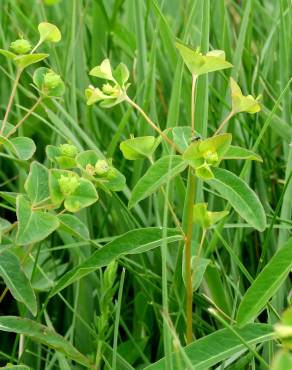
145	193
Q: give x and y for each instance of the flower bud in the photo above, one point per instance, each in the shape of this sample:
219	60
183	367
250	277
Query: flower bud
90	170
51	80
68	150
211	157
102	167
20	46
68	184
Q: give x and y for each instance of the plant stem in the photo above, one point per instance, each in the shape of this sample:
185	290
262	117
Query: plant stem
16	127
223	123
13	92
189	232
152	124
193	105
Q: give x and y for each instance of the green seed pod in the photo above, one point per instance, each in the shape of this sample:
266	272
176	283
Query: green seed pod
68	150
20	46
102	167
68	184
51	80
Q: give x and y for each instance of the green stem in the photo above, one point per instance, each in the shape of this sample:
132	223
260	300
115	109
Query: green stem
13	92
15	128
193	105
152	124
226	119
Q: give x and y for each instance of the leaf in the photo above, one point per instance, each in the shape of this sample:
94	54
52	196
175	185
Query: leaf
103	71
57	90
33	226
7	54
218	346
199	266
241	197
15	367
23	147
23	61
157	175
139	147
37	183
266	284
199	64
43	334
236	152
49	32
205	218
241	103
121	74
182	137
12	273
132	242
74	226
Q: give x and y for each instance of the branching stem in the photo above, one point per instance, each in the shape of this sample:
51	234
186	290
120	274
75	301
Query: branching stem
226	119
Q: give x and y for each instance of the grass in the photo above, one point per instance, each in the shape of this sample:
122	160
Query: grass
132	313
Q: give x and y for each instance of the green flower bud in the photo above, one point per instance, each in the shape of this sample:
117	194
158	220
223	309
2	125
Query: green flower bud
102	167
108	89
51	80
20	46
69	150
68	184
90	170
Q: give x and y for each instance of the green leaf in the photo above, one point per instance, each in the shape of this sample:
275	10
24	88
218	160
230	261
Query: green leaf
4	226
121	74
266	284
15	367
33	226
103	71
157	175
23	147
182	137
236	152
199	64
49	32
37	183
23	61
241	197
241	103
74	226
218	346
139	147
41	333
205	218
14	277
7	54
132	242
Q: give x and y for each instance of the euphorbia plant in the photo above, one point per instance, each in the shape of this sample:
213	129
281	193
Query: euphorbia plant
202	156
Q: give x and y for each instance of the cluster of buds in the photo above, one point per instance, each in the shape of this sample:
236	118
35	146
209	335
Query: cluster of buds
20	46
68	150
102	168
68	184
51	80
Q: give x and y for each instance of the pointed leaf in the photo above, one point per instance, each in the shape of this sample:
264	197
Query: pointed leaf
132	242
103	71
44	335
218	346
139	147
23	61
266	284
241	197
236	152
8	54
16	280
157	175
33	226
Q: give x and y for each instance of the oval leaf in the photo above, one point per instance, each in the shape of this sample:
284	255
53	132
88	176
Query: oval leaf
236	152
72	225
37	183
139	147
33	226
16	281
133	242
44	335
49	32
241	197
157	175
266	284
23	147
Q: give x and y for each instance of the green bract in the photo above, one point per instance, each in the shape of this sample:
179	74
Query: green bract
242	103
49	32
48	82
203	154
64	155
139	147
111	93
23	61
198	63
205	218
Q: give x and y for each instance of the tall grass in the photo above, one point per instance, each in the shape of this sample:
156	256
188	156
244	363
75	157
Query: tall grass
142	299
